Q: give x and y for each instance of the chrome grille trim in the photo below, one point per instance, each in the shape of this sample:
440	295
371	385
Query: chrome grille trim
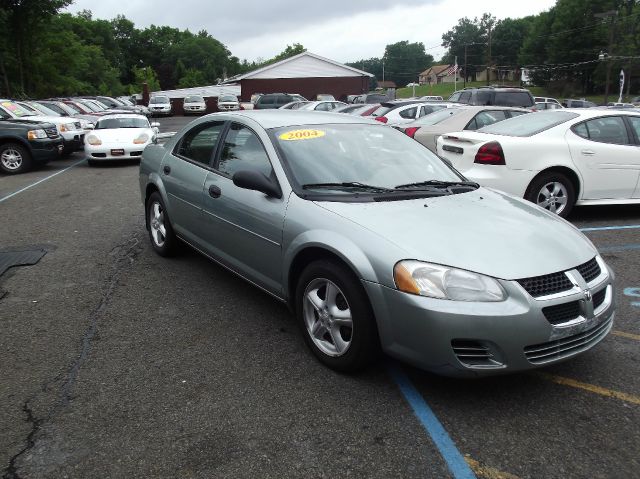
546	285
566	347
589	270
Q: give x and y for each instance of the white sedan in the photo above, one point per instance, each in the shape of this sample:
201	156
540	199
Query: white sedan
556	159
119	137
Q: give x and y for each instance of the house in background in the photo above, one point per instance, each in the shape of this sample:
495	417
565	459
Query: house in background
439	74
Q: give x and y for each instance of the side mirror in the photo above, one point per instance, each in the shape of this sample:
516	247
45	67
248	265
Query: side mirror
254	180
155	124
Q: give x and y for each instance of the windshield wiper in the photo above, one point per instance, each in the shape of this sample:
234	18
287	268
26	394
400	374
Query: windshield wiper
439	184
349	185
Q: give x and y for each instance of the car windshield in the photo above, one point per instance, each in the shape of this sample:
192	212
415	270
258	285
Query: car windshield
70	108
438	116
356	154
228	98
159	99
529	125
111	123
45	110
16	110
89	106
194	99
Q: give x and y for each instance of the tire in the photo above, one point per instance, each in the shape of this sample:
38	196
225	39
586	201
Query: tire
341	332
163	239
552	191
14	158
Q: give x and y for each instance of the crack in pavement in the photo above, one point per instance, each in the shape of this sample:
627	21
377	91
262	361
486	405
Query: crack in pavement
124	255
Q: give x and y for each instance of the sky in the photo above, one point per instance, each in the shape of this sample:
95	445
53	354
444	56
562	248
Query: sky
343	30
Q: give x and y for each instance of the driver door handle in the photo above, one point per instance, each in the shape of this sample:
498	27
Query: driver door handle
166	169
588	152
214	191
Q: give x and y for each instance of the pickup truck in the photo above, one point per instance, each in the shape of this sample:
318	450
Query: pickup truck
24	143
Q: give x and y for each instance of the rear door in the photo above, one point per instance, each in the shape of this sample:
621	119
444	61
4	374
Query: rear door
184	172
607	157
634	125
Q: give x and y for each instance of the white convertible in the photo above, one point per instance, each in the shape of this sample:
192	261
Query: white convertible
556	159
119	137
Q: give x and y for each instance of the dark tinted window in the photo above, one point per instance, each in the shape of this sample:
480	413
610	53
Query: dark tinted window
283	100
635	124
484	97
607	130
267	100
581	130
513	98
465	96
199	143
409	113
56	108
243	150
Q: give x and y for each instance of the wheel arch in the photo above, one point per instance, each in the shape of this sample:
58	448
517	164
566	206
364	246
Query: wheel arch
15	139
153	186
566	171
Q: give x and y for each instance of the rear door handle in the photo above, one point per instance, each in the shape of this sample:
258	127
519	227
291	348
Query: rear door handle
166	169
214	191
588	152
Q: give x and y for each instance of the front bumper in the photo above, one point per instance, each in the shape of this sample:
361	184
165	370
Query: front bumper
160	110
73	140
456	338
105	152
194	109
44	150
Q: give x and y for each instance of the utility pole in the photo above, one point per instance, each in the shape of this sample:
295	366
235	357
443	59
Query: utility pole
464	84
489	59
613	14
383	69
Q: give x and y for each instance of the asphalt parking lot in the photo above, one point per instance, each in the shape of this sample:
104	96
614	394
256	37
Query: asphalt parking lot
116	362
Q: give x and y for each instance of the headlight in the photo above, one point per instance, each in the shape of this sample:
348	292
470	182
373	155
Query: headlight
62	128
442	282
93	140
141	140
36	134
86	125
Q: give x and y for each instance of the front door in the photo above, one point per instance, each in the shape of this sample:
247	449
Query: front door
243	227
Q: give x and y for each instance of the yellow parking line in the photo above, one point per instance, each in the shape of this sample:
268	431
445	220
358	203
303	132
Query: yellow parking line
486	472
622	334
630	398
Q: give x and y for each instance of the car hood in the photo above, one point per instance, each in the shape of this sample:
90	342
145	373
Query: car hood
116	135
484	231
25	124
56	120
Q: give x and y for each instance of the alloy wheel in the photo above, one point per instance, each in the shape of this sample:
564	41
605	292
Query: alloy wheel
156	222
11	159
553	196
327	317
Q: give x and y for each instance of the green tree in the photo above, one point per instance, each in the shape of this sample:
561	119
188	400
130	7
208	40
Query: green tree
404	61
470	37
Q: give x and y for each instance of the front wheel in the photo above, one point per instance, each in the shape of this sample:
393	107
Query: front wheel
553	192
14	158
335	316
161	233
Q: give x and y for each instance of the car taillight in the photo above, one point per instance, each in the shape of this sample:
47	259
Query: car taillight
411	131
490	154
382	119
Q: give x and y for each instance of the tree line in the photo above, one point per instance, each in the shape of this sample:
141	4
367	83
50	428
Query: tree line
46	52
560	47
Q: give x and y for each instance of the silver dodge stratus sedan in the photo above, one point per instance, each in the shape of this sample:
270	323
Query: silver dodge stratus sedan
377	244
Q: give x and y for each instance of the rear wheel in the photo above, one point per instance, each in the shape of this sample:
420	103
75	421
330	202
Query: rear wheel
335	316
161	233
14	158
554	192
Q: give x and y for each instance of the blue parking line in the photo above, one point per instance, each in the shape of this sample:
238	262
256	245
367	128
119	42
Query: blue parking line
610	228
447	448
39	181
622	247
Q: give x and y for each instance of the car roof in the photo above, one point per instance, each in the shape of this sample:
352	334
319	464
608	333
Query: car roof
281	118
123	115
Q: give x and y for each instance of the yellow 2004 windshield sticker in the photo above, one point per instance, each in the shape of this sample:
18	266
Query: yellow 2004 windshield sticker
297	135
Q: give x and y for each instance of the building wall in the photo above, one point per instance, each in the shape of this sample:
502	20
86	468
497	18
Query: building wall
339	87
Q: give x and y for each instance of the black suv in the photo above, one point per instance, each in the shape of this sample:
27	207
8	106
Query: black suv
494	96
25	142
275	100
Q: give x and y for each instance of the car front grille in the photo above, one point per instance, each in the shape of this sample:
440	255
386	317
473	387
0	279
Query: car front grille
77	125
565	347
474	353
561	313
547	284
558	282
51	132
135	153
599	297
590	270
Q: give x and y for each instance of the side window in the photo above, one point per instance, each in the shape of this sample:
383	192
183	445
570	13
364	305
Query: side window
484	97
581	130
242	150
608	130
465	96
198	144
485	118
514	113
472	125
409	113
455	97
267	100
635	124
323	107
